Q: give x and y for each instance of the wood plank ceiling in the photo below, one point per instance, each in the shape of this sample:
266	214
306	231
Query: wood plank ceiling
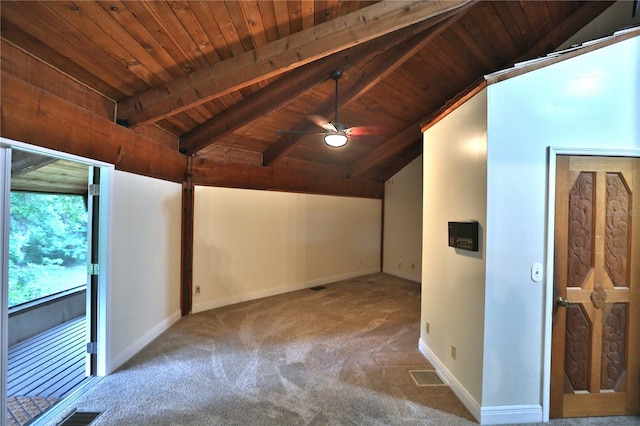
230	84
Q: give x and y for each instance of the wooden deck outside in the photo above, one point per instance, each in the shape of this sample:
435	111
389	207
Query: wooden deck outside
49	365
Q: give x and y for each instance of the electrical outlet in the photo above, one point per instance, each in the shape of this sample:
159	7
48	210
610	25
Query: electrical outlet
413	265
197	291
453	351
426	327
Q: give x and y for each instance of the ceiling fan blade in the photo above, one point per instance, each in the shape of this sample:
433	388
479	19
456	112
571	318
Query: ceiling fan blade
368	130
322	122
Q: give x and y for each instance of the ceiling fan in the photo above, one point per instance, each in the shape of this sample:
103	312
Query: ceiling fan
336	135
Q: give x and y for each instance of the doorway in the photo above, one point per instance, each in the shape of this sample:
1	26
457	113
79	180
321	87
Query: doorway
54	301
595	349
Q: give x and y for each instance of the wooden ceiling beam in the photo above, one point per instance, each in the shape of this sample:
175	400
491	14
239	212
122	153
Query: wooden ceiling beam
400	162
367	77
33	115
278	57
310	181
14	35
274	96
409	136
551	41
385	151
298	81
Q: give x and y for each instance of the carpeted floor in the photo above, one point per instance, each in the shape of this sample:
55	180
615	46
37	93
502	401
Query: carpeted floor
341	355
336	356
21	410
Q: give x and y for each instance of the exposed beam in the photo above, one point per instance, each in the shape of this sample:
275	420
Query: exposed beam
275	96
363	80
551	41
296	179
385	151
33	115
16	60
411	135
278	57
578	19
271	98
14	34
295	83
404	158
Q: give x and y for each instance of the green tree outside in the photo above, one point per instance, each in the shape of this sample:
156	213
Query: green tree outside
47	245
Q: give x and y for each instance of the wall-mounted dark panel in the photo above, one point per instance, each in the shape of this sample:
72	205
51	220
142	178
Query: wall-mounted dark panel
464	235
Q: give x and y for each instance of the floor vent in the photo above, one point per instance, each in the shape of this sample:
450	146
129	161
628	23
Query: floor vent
80	418
426	378
317	288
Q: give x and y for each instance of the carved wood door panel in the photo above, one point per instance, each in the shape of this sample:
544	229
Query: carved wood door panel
595	361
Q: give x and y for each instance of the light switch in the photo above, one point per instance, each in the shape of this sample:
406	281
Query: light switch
536	272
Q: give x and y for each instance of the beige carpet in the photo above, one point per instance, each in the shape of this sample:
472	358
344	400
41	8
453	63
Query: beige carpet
337	356
22	409
341	355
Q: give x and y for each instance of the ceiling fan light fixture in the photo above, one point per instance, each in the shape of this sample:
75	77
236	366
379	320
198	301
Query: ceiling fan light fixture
335	139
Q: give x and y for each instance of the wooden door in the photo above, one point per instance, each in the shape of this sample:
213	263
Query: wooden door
595	361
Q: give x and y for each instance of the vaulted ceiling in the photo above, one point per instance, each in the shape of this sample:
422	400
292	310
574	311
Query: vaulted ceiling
232	85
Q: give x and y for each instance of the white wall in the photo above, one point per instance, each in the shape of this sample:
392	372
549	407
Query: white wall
250	244
402	249
589	102
144	293
452	279
496	172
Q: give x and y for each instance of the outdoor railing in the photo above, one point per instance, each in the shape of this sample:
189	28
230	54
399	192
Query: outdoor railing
31	318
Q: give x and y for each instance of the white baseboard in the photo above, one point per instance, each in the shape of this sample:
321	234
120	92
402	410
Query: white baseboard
511	414
143	341
472	405
252	295
216	303
508	414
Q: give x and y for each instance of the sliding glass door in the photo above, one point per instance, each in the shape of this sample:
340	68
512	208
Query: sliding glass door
54	273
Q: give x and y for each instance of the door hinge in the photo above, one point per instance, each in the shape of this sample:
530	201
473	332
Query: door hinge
94	189
93	269
92	347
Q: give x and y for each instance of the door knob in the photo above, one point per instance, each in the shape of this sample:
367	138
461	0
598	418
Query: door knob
562	302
